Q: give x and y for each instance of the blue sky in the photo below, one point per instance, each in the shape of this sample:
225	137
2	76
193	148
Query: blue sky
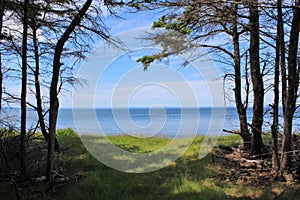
115	79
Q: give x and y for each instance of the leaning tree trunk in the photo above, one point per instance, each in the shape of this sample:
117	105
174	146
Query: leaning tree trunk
292	92
257	80
24	92
54	102
38	93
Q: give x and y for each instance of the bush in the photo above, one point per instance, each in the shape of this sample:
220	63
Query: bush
66	132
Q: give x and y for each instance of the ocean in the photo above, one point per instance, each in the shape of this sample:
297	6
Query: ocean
166	122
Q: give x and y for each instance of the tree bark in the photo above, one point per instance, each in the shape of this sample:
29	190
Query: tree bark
257	79
292	91
24	91
274	127
242	112
54	102
38	95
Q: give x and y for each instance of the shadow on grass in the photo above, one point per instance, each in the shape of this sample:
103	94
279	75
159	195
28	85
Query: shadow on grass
187	178
183	180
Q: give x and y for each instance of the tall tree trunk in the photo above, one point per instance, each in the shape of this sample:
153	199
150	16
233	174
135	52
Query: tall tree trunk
24	91
292	91
274	127
38	94
257	80
242	112
2	8
54	102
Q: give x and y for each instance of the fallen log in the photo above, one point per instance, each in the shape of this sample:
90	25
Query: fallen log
226	148
237	132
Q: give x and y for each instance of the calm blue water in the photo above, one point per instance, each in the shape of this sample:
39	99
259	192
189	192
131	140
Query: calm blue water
150	122
167	122
143	121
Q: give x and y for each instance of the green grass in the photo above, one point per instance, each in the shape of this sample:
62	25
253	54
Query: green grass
138	145
187	178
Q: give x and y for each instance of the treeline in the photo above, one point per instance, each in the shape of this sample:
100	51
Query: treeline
41	42
256	42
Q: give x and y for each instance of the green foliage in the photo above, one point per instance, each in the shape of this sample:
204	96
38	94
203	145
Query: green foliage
65	132
8	132
179	27
169	24
146	60
159	24
172	40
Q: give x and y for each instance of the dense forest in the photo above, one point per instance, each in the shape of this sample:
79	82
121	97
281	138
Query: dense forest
43	42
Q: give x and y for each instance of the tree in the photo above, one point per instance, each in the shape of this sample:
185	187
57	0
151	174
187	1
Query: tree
257	78
200	22
71	32
2	9
35	24
279	60
241	107
54	102
292	91
24	91
54	33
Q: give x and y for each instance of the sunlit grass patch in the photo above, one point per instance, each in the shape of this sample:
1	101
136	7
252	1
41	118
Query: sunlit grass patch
188	177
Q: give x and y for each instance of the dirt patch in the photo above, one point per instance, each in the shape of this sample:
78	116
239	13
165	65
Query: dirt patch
239	167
